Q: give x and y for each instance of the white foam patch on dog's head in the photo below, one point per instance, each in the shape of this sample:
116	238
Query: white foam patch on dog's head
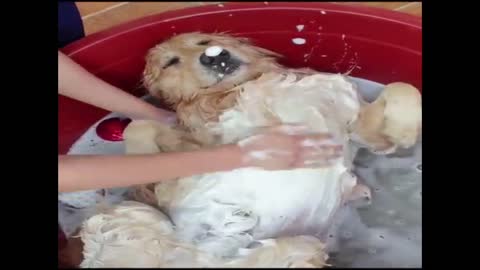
213	51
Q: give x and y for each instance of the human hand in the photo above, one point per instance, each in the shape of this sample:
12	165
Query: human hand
166	117
288	147
150	112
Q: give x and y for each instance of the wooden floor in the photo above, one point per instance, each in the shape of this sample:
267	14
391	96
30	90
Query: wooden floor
98	16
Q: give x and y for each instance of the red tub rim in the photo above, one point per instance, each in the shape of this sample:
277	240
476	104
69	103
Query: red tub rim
124	28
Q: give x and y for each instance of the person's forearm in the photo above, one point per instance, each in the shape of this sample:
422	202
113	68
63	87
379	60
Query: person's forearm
94	172
77	83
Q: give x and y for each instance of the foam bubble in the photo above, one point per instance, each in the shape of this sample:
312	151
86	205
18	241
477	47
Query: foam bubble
213	51
262	155
299	41
265	154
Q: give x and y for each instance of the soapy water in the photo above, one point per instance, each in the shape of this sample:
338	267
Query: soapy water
388	231
385	231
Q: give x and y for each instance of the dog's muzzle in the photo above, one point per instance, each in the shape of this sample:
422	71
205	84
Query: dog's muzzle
222	64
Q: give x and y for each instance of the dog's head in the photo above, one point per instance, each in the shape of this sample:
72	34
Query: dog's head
181	68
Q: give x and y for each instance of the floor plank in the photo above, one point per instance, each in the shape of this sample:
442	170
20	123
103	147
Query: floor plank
87	8
128	12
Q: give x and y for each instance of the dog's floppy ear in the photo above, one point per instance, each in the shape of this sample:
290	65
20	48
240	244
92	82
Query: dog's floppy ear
267	53
151	72
262	51
243	40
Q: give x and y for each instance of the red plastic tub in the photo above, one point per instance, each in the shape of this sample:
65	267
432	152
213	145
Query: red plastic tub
386	46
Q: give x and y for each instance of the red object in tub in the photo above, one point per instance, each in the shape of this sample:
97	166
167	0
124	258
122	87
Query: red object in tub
112	129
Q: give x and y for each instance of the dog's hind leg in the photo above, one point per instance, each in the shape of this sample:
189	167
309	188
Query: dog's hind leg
219	228
393	120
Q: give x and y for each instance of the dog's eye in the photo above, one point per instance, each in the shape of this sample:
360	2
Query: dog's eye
173	61
203	42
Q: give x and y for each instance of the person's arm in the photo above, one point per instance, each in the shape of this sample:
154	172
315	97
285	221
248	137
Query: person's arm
77	83
273	150
77	172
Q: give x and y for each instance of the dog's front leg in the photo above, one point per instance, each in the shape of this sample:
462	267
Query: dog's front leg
149	137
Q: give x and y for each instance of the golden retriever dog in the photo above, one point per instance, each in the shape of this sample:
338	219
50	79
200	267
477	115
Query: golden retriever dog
223	88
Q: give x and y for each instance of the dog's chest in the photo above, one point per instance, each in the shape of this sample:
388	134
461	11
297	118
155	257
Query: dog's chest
323	103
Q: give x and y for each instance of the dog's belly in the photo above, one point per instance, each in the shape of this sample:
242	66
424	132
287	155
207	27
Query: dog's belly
261	203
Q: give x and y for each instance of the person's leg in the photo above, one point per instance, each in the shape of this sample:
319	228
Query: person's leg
70	25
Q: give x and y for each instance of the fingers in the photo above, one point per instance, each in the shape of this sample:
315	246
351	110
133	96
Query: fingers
291	146
300	134
319	158
333	152
284	129
315	163
318	140
320	145
170	120
269	159
289	129
300	131
323	150
318	151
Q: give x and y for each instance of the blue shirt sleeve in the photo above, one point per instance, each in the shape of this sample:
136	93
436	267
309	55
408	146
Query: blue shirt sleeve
70	25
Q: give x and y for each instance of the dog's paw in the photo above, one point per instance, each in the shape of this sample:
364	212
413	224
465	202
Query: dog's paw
139	137
361	196
393	120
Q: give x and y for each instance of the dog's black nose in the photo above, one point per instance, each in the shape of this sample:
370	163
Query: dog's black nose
210	61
